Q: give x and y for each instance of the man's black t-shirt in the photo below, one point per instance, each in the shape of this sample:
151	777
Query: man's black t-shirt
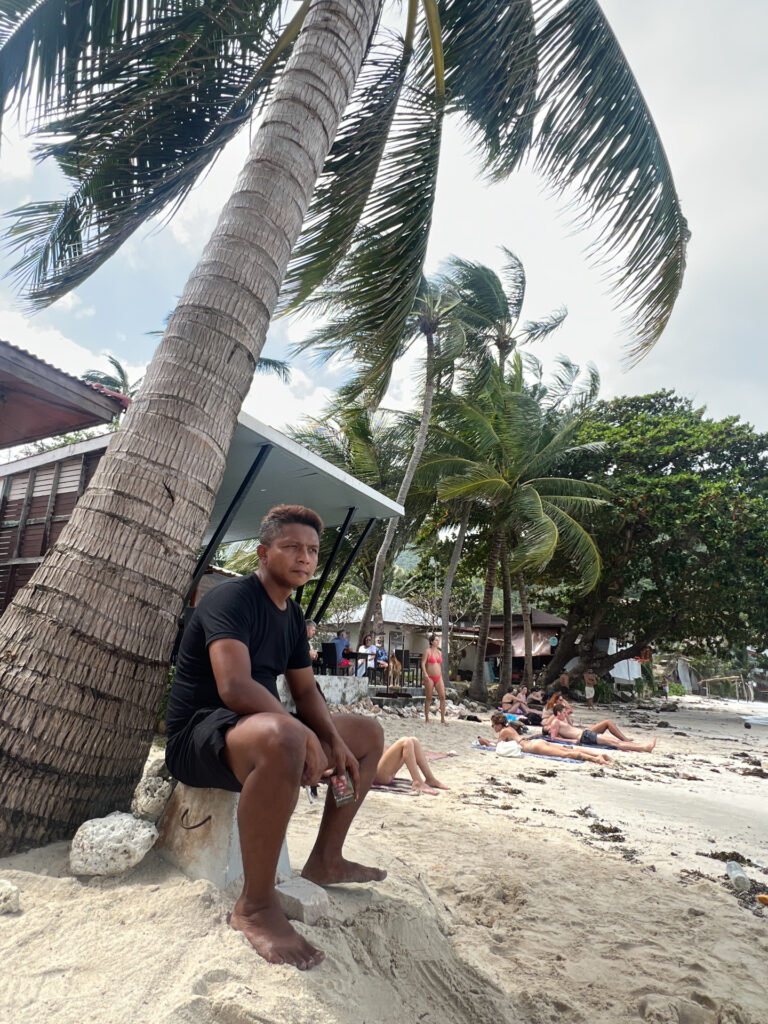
240	610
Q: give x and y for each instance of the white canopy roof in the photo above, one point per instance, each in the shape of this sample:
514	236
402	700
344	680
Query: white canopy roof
290	475
398	611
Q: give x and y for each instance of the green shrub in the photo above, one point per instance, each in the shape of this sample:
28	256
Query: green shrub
603	692
676	690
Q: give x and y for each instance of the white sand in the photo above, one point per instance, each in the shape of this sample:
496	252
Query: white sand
499	906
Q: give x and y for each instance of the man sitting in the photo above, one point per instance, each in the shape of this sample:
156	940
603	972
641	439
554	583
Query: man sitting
228	730
381	657
558	727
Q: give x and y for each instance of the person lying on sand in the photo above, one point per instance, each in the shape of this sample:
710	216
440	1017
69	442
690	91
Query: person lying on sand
561	729
607	725
510	731
409	752
227	729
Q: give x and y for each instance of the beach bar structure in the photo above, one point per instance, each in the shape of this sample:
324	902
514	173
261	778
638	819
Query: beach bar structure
264	468
37	400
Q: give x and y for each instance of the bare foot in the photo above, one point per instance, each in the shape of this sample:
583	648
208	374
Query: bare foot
422	787
436	783
339	871
651	745
268	931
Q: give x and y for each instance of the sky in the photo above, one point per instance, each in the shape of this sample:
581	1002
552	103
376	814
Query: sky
702	71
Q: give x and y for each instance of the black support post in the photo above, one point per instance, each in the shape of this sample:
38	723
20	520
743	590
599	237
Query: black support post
343	571
328	565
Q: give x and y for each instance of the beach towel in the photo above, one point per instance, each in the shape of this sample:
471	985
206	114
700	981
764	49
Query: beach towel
402	786
546	757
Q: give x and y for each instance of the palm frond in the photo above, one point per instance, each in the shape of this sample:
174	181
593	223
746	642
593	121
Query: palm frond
577	545
276	367
478	481
598	135
52	49
176	96
481	293
559	486
537	330
372	294
491	75
535	531
513	274
350	169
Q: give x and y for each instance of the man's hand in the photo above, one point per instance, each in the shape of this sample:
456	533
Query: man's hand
342	760
315	760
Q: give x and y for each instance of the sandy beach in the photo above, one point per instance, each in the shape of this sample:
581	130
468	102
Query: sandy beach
532	891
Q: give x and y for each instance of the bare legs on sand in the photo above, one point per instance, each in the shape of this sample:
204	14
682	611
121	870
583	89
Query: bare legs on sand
439	685
409	752
610	726
267	754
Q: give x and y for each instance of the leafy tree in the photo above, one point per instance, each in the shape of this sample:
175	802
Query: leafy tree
509	445
134	102
685	547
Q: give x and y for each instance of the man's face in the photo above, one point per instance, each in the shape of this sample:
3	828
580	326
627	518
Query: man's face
311	630
291	558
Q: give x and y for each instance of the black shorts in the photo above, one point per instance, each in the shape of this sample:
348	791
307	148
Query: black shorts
195	754
588	739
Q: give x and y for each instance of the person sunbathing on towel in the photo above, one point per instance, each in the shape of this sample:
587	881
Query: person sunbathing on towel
227	729
409	752
559	728
511	731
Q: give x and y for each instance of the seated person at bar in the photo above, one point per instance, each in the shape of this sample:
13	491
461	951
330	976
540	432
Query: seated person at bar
227	729
311	630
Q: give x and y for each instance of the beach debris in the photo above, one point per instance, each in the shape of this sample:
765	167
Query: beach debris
662	725
668	706
738	876
302	900
762	897
586	812
760	773
747	725
9	897
150	797
111	845
610	833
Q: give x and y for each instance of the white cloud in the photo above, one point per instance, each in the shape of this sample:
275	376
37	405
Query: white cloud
17	161
46	343
283	405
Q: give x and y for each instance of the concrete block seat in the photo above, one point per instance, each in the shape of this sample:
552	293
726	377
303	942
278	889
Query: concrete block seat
199	835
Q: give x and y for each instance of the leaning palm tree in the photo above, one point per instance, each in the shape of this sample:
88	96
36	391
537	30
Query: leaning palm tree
135	100
511	452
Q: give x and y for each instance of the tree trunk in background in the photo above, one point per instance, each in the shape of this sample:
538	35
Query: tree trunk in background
527	631
450	576
478	689
508	651
84	647
402	494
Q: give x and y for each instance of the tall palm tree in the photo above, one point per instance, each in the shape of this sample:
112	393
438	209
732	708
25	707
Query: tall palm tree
138	99
511	451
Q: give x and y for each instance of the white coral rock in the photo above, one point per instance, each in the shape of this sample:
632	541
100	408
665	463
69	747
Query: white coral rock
111	845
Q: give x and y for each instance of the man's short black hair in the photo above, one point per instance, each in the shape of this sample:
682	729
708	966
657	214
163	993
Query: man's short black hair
283	515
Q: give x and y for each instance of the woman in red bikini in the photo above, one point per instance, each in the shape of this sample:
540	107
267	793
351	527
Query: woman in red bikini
432	674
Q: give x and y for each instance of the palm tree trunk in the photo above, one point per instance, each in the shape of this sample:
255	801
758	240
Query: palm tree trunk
478	689
405	486
450	576
508	653
84	647
527	632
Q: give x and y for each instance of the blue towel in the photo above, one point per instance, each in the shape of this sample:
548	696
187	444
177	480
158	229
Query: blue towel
548	757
